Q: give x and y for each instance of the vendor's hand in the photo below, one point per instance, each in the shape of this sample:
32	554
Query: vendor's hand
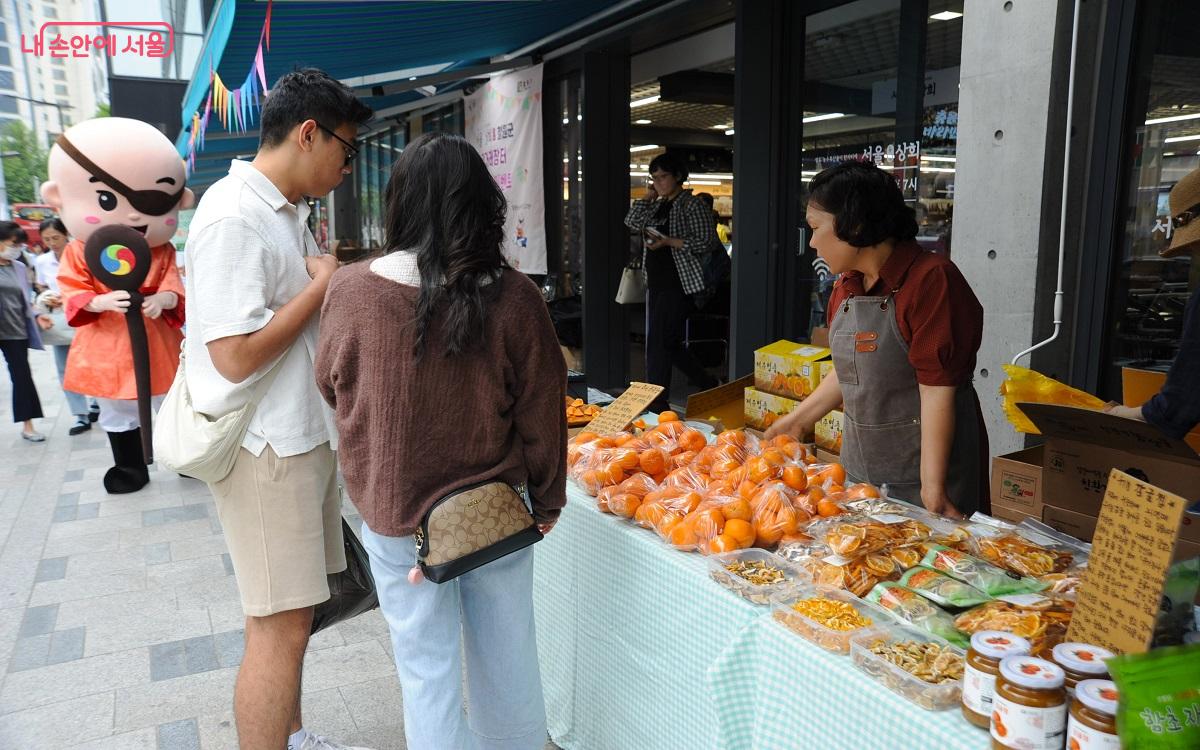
1126	412
792	424
153	306
937	502
321	267
545	528
44	322
117	302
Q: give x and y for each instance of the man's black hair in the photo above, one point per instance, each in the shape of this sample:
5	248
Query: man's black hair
308	94
670	162
866	203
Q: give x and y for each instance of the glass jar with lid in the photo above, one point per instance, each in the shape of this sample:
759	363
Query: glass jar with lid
1029	709
988	648
1081	661
1092	722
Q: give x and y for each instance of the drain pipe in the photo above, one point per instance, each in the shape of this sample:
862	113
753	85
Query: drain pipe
1059	294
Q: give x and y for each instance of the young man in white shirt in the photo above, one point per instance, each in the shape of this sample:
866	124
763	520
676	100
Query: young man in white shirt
255	283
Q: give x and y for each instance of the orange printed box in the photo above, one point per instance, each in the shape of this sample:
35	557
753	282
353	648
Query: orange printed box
829	432
789	369
762	409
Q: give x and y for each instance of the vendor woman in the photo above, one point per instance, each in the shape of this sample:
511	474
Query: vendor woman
905	329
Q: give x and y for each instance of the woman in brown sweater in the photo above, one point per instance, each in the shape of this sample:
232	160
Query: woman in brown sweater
444	371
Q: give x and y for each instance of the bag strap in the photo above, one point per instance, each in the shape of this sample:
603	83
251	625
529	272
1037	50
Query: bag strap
259	391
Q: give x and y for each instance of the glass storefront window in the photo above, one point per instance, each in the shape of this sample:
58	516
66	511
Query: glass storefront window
1151	291
852	59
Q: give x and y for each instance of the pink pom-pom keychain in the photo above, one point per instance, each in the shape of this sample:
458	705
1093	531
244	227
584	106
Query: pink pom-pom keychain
416	576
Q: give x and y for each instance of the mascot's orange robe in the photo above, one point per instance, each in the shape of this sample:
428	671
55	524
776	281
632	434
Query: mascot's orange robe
101	359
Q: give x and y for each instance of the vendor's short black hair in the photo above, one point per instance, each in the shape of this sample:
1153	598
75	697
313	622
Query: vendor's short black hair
304	94
669	162
10	230
866	203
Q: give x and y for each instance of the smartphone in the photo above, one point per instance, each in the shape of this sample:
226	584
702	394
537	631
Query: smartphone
655	233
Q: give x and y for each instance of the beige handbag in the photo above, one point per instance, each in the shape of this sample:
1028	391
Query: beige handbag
195	445
632	290
472	527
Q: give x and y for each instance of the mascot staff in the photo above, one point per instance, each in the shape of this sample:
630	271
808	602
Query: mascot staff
116	172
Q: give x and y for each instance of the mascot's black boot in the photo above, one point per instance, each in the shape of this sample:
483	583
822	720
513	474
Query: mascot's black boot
130	473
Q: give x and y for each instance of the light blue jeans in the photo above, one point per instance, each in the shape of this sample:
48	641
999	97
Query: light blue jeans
487	612
77	403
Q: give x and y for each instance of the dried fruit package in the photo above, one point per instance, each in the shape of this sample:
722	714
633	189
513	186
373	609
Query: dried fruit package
1042	620
908	606
1027	386
871	534
984	576
942	589
1159	702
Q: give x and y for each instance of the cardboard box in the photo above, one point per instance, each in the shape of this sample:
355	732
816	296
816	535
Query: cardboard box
723	406
1139	386
826	368
762	409
1083	526
1083	446
788	369
1017	484
829	432
825	457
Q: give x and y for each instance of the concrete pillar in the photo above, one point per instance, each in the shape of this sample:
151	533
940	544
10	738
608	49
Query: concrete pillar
1004	99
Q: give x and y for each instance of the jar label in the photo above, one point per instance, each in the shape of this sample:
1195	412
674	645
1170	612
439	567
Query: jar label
1028	728
1082	737
977	690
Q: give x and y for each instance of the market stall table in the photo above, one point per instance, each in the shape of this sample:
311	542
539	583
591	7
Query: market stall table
640	648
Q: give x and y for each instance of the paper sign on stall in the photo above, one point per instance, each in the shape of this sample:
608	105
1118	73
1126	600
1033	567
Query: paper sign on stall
1119	599
628	406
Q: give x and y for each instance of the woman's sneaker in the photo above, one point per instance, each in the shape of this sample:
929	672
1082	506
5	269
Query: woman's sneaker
82	425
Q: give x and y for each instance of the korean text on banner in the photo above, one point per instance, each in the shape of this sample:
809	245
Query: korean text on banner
504	122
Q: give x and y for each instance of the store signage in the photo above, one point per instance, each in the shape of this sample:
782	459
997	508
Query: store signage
1119	600
628	406
941	87
504	123
138	38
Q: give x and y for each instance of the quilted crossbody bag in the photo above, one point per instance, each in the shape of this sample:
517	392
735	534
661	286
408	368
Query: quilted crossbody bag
472	527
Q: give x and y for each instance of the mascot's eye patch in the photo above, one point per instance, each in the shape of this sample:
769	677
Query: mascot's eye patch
152	202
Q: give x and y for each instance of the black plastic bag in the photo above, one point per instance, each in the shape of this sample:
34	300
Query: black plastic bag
352	591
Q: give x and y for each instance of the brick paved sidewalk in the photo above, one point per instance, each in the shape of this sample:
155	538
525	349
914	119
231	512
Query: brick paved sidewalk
119	618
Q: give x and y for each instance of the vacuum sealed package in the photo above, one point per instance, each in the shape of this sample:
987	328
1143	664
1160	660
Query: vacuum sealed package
984	576
942	589
908	606
1176	615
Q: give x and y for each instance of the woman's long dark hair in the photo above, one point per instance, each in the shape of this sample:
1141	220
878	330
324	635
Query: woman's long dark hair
443	204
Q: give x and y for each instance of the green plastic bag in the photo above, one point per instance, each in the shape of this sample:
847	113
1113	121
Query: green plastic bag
941	589
984	576
1160	698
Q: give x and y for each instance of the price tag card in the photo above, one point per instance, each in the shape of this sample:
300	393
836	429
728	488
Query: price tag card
1119	598
617	415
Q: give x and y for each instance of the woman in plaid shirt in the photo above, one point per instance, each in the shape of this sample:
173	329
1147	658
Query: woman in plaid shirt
673	269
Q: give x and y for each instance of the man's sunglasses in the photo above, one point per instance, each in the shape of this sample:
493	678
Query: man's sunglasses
351	151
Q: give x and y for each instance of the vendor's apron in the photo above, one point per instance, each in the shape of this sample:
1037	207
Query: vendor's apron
881	438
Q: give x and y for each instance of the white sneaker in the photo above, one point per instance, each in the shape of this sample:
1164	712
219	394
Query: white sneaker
317	742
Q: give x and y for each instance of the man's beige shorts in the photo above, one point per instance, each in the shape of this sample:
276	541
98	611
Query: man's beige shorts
283	525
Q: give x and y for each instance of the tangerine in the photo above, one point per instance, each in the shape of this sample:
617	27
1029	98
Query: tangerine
721	543
862	490
741	531
668	416
682	535
624	504
732	437
738	509
627	459
794	477
652	461
692	440
828	508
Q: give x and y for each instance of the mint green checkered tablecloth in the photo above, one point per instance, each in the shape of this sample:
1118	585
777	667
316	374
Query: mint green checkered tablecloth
641	649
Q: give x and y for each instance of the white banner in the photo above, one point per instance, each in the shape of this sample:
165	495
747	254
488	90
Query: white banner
504	122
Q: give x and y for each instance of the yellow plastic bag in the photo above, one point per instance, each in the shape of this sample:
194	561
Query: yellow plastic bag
1027	386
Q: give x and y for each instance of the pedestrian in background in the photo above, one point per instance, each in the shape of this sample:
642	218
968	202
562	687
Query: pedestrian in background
443	307
60	335
20	329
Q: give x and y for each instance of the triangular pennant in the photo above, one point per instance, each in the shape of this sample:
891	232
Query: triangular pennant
259	67
266	30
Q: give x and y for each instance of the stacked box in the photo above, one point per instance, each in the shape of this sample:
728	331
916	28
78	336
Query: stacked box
762	409
829	432
789	369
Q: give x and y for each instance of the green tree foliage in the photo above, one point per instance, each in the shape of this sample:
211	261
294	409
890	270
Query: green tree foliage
24	163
